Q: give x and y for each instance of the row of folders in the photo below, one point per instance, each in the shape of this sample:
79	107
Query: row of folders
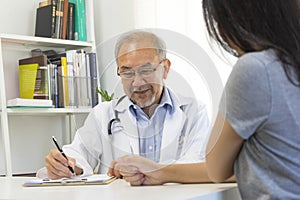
61	19
69	79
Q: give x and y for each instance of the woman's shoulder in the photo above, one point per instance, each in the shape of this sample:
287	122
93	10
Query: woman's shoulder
264	57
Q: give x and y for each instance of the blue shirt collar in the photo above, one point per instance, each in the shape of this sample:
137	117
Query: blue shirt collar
165	101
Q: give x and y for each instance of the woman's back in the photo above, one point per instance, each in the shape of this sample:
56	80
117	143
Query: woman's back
263	107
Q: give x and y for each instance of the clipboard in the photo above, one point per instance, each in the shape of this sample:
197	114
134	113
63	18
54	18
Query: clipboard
96	179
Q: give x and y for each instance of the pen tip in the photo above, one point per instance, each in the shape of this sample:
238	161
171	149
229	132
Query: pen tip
54	138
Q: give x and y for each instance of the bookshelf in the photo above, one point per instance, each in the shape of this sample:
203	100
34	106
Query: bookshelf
24	130
42	41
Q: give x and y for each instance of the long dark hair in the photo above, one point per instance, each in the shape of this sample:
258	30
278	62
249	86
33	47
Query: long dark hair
250	23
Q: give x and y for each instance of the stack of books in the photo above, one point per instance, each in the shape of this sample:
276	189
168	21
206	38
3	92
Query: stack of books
61	19
69	78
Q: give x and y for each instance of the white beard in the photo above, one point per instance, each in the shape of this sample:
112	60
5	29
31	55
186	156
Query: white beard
147	103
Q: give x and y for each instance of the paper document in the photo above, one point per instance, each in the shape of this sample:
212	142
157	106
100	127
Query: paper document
96	179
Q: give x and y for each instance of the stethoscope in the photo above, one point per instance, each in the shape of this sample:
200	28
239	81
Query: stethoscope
116	119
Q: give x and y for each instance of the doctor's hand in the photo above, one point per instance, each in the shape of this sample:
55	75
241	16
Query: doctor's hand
57	165
138	170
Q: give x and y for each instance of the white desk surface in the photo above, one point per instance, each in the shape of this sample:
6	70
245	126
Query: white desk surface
11	188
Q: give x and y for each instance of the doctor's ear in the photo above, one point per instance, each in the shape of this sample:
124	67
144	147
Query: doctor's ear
167	65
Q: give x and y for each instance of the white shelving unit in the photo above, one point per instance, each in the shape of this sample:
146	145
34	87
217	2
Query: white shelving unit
13	48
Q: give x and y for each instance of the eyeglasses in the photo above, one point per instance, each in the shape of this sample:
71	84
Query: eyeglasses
144	71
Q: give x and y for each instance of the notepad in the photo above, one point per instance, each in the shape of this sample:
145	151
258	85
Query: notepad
96	179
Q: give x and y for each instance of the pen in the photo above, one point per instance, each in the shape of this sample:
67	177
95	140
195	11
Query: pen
64	155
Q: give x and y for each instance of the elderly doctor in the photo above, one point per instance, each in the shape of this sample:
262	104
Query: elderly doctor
151	120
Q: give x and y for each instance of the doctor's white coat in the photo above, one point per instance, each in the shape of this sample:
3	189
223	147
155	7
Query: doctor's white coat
184	136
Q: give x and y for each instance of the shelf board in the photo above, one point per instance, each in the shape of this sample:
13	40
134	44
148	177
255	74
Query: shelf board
43	41
47	111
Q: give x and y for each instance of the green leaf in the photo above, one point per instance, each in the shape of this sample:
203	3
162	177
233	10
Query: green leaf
105	95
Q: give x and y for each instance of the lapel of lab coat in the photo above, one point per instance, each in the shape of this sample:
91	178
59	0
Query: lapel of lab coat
128	122
172	135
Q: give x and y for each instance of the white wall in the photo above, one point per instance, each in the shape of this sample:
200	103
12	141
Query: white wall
111	18
17	16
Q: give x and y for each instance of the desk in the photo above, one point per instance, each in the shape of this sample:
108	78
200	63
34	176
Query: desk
11	188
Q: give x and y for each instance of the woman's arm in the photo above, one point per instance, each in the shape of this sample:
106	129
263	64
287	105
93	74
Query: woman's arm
188	173
184	173
138	170
222	150
141	171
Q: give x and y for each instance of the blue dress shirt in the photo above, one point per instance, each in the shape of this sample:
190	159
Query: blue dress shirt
150	129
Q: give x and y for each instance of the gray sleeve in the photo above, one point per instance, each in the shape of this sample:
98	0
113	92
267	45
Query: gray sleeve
246	100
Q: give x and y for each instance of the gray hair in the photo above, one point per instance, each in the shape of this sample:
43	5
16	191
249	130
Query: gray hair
137	36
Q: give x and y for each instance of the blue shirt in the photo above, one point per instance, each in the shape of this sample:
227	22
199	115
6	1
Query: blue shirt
150	129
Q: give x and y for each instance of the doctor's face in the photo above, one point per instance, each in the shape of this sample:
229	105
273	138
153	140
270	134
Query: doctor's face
142	74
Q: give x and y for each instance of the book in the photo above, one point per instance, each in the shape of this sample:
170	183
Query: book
53	23
80	20
59	19
92	62
27	77
60	87
40	83
41	87
45	21
63	88
64	75
44	3
21	102
55	76
65	19
52	80
55	62
71	63
40	59
82	80
71	21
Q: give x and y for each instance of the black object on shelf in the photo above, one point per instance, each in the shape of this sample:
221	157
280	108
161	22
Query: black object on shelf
45	21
